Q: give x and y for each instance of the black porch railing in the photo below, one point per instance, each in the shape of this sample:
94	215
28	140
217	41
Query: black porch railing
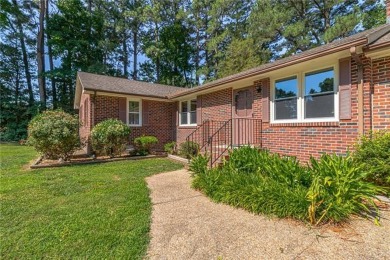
216	138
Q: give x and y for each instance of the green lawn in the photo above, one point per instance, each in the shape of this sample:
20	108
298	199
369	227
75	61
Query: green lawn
93	211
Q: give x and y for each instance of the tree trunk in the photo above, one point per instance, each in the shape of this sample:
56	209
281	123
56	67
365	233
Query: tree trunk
41	55
125	55
135	53
156	36
197	58
51	63
25	57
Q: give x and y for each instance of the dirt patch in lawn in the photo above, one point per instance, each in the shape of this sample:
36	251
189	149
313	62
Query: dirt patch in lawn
84	159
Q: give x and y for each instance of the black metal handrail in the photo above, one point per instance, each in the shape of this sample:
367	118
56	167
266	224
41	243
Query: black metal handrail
235	132
200	136
227	142
217	137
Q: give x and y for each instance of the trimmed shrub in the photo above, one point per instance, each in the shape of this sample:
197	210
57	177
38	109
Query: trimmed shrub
373	152
110	137
54	134
143	144
189	149
170	147
329	190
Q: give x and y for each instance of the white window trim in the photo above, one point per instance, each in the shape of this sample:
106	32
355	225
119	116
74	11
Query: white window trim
140	111
188	113
300	105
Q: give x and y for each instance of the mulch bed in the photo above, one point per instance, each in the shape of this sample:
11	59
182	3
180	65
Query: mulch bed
84	159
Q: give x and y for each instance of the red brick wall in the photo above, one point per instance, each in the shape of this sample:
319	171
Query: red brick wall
214	106
306	139
159	123
299	139
381	93
217	105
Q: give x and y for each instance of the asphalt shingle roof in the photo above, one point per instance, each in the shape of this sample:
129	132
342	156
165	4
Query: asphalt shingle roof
110	84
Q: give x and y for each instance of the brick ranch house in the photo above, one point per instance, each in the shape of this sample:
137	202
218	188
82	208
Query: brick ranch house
313	102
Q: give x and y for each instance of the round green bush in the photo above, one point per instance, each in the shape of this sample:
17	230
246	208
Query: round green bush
110	137
144	144
54	134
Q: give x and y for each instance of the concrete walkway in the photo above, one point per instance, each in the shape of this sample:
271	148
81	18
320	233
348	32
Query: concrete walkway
187	225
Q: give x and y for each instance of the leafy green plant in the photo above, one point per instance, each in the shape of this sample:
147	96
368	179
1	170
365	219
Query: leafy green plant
143	144
373	152
54	134
199	164
189	149
170	147
110	137
328	190
338	189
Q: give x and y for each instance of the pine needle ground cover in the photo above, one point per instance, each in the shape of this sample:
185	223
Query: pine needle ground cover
330	189
95	211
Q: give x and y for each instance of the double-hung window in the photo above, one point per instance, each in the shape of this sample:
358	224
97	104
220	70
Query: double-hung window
286	98
319	94
305	97
188	112
134	113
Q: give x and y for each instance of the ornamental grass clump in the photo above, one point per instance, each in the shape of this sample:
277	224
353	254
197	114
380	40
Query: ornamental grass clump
54	134
189	149
339	189
327	190
110	137
373	153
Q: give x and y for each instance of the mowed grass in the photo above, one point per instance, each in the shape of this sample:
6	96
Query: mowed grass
93	211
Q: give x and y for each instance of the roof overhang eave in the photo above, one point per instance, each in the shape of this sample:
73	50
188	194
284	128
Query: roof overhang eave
91	90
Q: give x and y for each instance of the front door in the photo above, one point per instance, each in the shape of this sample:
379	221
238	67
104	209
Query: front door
242	115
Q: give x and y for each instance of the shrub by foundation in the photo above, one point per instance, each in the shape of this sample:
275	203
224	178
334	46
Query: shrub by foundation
110	137
144	144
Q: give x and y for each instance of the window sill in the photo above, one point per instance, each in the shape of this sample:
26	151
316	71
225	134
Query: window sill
188	126
306	124
134	125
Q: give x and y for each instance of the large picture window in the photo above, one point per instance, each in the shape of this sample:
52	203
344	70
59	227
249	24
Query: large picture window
134	116
188	112
306	97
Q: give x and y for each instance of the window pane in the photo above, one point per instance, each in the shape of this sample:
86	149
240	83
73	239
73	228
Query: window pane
319	106
183	118
133	106
286	88
184	106
133	118
193	105
319	82
286	108
193	117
